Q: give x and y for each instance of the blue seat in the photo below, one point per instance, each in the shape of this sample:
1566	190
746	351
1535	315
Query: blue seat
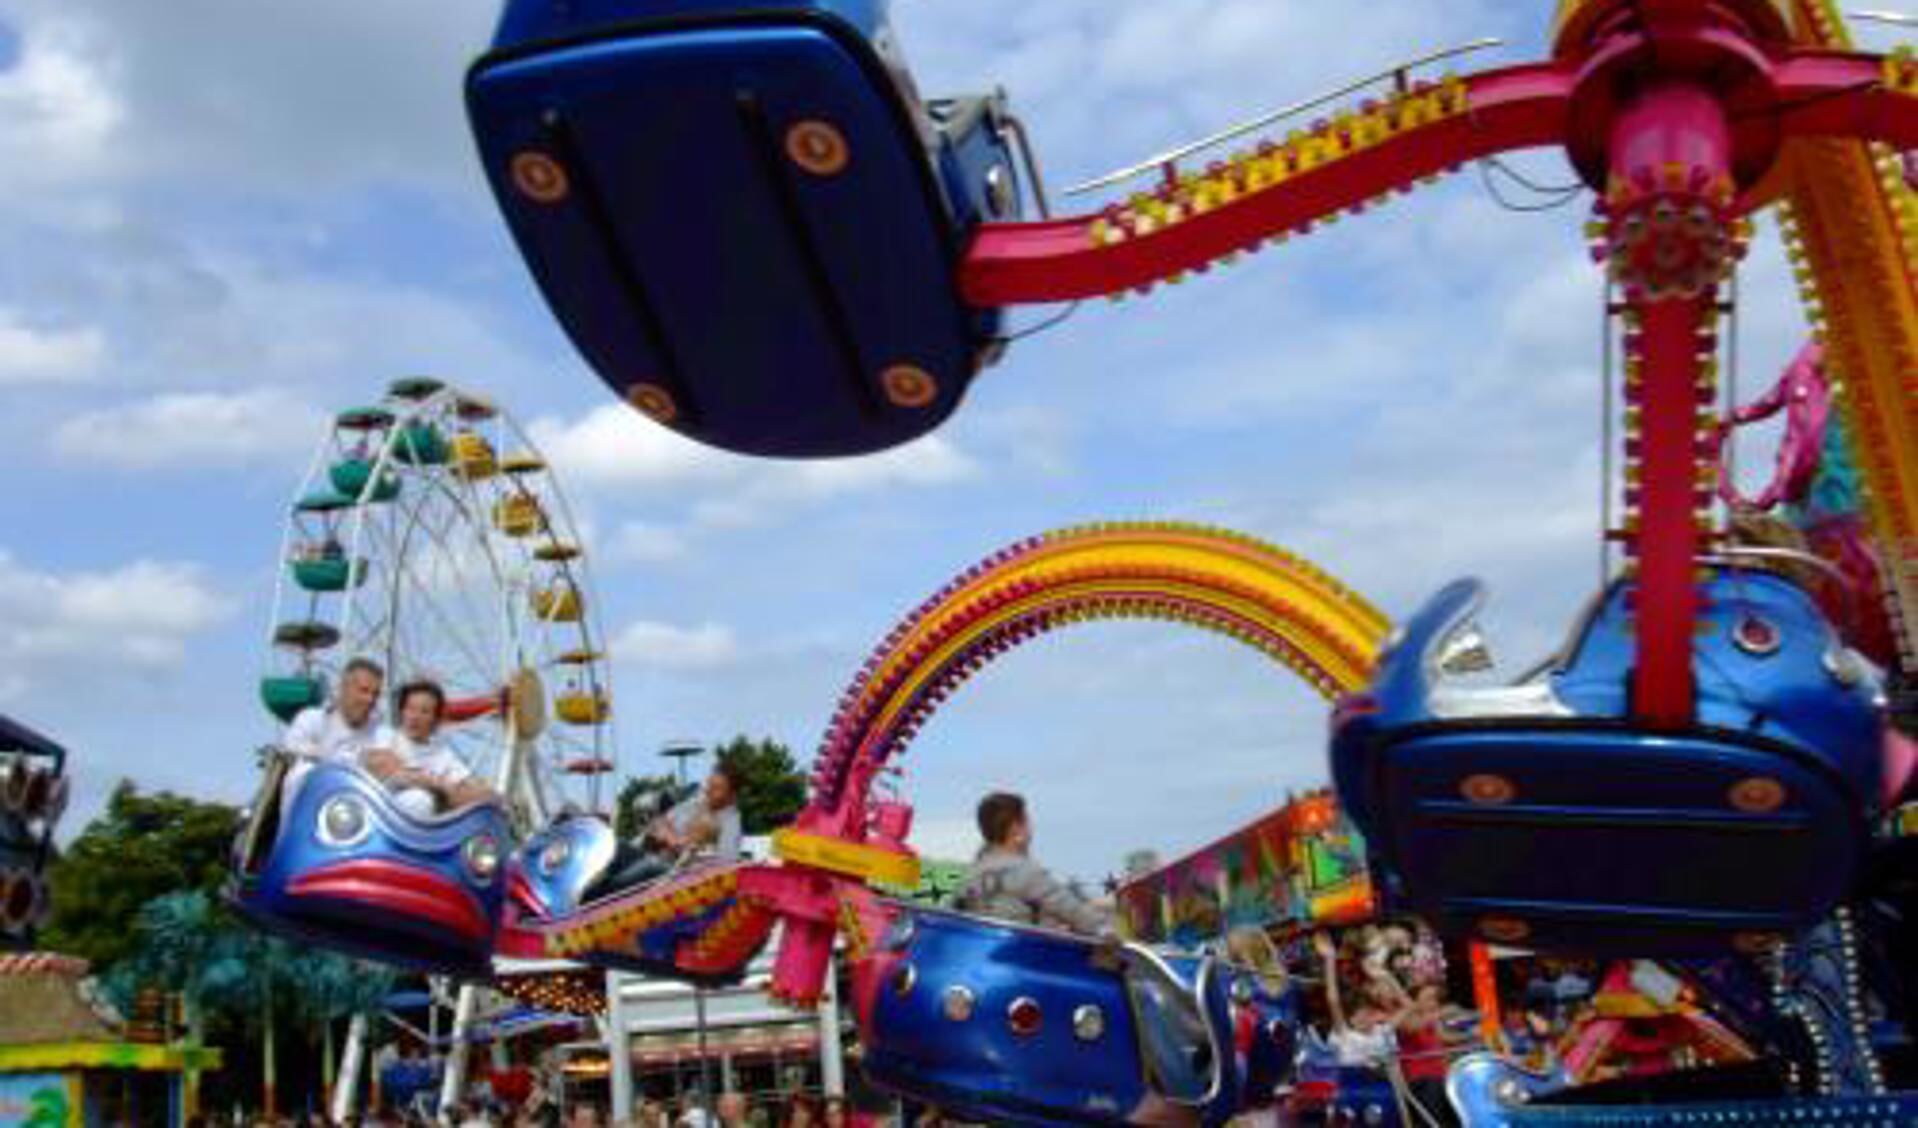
1006	1024
1539	813
743	214
342	867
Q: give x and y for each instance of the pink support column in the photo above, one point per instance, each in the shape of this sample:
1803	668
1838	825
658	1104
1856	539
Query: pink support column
1670	237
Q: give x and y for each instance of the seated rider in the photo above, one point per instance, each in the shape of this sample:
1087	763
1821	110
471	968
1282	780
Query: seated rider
705	824
338	733
1006	883
425	776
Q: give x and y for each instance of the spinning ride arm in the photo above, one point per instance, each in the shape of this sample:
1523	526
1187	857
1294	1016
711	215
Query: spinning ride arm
1344	164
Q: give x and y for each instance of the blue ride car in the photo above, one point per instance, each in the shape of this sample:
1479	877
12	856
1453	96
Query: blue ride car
1540	813
1005	1023
744	214
344	868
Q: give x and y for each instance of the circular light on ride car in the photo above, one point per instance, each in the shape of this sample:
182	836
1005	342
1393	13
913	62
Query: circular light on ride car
653	401
1757	636
908	385
1023	1016
539	177
482	856
904	980
958	1003
1757	795
345	821
1486	789
1374	1114
818	147
1088	1023
554	856
1504	930
1844	666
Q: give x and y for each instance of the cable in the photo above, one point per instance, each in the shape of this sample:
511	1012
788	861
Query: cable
1049	323
1560	195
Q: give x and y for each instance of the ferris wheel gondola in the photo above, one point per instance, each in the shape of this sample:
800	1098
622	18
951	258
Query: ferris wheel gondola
431	538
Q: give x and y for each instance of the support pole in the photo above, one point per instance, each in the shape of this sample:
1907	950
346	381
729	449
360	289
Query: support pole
346	1087
619	1049
454	1083
1671	235
832	1056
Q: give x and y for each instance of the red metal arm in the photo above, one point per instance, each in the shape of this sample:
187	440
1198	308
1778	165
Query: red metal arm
1869	97
1063	259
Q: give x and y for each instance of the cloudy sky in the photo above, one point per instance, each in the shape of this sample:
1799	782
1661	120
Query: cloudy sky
223	218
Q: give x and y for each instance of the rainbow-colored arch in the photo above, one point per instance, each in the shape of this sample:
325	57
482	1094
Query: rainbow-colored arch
1272	600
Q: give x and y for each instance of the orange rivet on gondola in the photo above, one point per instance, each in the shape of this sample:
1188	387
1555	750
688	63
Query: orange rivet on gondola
539	177
818	147
1758	795
1504	930
908	385
1487	790
653	401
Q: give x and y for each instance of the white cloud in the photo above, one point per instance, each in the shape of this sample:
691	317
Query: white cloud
615	451
947	839
615	446
346	93
192	429
30	356
666	646
141	615
59	113
641	542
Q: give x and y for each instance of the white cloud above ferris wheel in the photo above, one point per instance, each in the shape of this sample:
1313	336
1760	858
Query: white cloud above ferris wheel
190	430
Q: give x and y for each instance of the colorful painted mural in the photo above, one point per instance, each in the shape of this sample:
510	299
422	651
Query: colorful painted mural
39	1100
1302	864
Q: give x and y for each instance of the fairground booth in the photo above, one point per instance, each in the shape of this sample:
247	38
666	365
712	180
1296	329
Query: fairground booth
66	1058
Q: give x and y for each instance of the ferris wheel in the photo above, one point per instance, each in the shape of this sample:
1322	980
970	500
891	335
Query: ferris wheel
431	537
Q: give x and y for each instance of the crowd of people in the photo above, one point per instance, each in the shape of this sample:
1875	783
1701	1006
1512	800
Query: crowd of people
728	1110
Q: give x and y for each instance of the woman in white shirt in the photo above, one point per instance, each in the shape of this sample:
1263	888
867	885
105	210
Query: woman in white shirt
425	776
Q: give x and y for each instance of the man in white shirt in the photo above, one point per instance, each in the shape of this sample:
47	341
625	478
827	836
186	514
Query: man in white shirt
706	823
337	733
342	731
425	776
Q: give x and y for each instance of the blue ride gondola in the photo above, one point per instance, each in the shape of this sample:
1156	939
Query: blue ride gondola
1541	813
743	214
340	865
1004	1023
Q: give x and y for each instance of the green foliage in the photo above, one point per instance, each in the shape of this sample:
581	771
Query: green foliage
772	789
190	943
141	848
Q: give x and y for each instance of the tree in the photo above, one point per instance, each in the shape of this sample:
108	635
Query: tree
142	847
771	786
188	942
